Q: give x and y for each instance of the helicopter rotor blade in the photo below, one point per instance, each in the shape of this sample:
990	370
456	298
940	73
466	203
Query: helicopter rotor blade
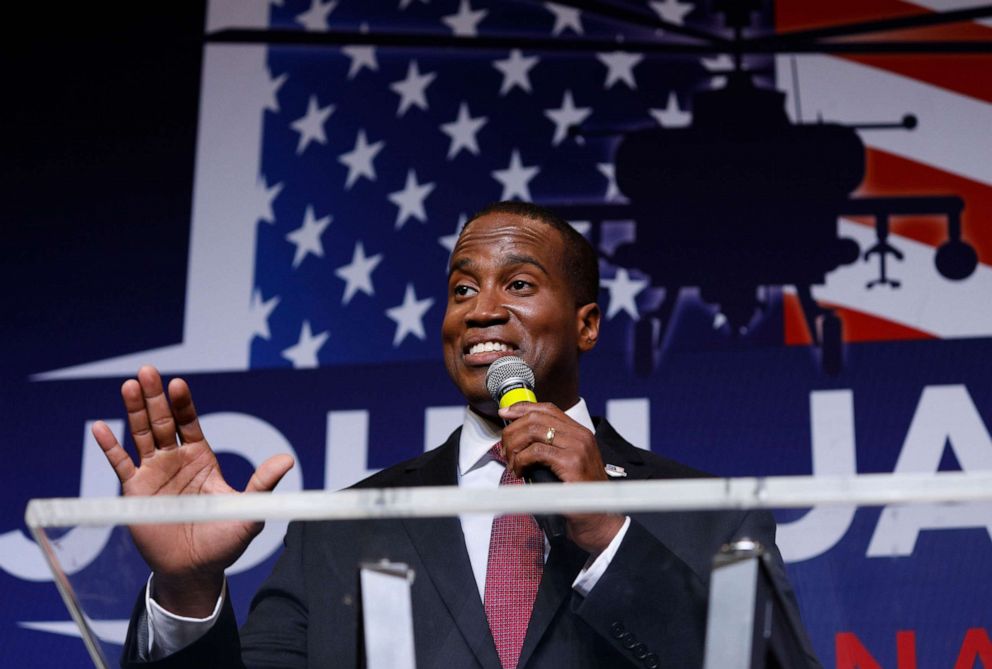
931	47
435	41
800	41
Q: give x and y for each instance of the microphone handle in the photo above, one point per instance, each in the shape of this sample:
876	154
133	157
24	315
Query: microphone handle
552	525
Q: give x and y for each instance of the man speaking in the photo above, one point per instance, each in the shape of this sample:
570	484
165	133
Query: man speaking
614	591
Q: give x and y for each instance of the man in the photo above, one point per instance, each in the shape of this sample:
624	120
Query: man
619	591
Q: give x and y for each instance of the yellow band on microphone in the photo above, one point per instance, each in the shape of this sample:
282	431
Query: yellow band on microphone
517	395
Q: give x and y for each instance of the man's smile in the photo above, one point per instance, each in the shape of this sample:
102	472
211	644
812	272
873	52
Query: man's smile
486	351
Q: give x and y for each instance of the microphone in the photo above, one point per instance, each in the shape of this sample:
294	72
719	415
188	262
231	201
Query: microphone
510	380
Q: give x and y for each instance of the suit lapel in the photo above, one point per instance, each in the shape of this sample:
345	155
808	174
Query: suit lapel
441	546
564	563
567	559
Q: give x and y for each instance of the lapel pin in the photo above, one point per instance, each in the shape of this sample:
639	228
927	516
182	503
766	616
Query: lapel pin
615	472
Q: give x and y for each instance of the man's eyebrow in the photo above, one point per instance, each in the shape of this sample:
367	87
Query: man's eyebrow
517	259
511	259
461	263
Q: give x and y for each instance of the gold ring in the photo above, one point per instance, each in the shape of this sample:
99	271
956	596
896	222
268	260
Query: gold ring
549	437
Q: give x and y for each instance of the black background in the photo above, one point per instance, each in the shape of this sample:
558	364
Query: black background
98	130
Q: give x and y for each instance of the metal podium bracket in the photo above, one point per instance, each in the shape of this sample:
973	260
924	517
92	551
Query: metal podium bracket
748	625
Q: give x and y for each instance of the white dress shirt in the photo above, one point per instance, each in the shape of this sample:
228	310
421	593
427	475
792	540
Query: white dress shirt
477	469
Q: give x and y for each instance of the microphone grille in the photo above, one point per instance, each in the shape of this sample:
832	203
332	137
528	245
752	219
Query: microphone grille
507	368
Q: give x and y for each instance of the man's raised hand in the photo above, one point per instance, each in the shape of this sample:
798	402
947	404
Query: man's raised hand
174	458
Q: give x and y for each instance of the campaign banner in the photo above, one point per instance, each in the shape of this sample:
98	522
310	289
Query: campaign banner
749	328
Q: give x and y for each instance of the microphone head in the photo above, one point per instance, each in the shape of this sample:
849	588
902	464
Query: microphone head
506	372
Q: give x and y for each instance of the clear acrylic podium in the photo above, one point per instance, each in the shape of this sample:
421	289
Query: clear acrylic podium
744	631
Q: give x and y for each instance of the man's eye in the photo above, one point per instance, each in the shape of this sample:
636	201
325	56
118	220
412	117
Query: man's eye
519	284
462	290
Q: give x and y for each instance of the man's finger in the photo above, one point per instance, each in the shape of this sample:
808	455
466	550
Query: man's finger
184	411
534	453
269	473
160	418
114	452
521	409
137	418
538	427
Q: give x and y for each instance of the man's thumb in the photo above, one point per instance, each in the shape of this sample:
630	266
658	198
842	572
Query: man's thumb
269	473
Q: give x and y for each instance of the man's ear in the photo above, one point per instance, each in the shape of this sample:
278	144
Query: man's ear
587	320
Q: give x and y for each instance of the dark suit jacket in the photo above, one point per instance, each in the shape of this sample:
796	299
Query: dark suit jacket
647	610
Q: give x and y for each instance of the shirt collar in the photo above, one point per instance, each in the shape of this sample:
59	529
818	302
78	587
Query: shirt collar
479	435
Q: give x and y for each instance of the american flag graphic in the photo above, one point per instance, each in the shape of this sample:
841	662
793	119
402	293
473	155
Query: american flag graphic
373	157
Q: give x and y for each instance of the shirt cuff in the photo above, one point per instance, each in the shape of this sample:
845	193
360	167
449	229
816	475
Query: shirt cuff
169	633
595	568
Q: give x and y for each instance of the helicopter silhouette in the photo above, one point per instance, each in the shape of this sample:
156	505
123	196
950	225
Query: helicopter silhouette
746	200
743	199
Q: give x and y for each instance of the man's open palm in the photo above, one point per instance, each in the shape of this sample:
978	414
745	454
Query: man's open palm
174	458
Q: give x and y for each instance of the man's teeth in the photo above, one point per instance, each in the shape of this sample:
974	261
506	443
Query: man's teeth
488	346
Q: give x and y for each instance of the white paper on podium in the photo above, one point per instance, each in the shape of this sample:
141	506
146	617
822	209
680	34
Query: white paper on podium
387	615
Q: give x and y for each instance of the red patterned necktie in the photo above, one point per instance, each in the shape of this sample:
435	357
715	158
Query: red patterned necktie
516	561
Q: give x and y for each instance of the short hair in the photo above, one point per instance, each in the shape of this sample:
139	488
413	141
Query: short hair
579	259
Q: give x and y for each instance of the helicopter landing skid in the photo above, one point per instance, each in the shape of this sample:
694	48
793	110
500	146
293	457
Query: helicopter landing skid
650	333
825	329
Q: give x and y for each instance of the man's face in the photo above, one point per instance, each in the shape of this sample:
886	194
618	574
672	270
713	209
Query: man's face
509	295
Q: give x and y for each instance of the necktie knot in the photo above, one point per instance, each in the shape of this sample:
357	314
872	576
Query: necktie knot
497	452
508	477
